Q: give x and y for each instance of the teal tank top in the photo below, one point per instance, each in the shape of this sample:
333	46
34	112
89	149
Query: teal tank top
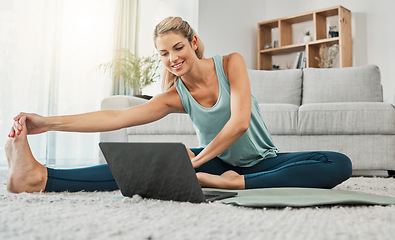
252	147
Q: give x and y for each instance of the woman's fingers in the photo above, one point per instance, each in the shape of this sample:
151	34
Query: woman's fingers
190	153
18	124
17	127
17	117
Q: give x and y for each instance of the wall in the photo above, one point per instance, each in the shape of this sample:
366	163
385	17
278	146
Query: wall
231	25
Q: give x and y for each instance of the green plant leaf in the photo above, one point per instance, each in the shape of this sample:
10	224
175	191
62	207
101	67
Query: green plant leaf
137	72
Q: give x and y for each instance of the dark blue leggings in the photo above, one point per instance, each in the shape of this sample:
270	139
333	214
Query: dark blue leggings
299	169
320	169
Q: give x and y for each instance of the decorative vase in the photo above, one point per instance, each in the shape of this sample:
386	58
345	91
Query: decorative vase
307	39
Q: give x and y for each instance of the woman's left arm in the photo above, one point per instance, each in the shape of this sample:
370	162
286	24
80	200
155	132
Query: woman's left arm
240	101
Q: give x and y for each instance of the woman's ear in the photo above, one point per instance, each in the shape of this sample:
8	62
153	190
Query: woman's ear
194	43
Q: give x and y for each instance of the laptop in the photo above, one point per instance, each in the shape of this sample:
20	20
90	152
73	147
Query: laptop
156	170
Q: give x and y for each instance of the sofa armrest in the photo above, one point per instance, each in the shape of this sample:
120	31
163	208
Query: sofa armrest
120	102
391	99
116	103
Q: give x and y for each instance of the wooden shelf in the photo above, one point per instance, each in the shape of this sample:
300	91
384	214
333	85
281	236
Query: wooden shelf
299	18
298	47
320	36
328	40
284	50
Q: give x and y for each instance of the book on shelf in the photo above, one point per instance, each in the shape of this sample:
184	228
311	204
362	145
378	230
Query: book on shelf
300	60
296	62
303	61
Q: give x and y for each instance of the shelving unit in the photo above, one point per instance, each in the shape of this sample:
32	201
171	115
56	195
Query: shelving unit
320	37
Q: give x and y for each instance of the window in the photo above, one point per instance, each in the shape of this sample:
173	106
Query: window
50	50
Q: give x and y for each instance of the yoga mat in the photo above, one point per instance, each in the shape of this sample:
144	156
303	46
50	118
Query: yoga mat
304	197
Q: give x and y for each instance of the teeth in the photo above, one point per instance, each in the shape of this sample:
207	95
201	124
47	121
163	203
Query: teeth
177	65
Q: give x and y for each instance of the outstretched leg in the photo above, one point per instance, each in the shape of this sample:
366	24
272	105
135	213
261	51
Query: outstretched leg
28	175
25	173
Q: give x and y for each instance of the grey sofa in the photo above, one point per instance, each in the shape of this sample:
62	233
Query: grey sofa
338	109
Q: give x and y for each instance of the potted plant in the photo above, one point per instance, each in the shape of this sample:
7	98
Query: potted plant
136	72
307	37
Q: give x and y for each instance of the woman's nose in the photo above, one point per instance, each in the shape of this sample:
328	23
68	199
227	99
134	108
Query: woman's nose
173	57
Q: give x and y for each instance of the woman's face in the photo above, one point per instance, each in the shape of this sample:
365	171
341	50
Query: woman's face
177	53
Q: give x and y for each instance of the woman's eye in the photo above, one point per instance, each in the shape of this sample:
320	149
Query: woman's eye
179	48
164	54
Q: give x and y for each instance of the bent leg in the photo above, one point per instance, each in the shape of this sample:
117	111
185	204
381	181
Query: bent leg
95	178
303	169
218	174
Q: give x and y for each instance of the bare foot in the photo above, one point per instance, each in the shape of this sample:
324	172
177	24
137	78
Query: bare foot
25	173
227	180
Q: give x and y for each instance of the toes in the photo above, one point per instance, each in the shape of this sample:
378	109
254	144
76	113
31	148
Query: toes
12	133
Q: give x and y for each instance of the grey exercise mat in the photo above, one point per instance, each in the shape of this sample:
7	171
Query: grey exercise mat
304	197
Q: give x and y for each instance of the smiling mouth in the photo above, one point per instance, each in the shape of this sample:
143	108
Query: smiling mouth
177	66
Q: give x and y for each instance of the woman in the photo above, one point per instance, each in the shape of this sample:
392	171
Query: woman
237	150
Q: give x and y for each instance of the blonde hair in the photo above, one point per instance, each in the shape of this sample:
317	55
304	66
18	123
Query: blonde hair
176	24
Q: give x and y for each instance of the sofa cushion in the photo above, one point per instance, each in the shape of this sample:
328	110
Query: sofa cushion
280	119
173	124
347	118
353	84
277	86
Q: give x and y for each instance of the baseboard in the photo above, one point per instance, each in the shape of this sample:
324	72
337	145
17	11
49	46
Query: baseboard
370	173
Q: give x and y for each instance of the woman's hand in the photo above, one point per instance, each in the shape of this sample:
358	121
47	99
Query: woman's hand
196	163
192	156
190	153
35	124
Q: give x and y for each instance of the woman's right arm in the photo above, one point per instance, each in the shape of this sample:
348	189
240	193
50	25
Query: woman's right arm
105	120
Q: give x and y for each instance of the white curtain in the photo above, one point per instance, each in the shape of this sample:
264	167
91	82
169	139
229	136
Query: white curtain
125	37
49	53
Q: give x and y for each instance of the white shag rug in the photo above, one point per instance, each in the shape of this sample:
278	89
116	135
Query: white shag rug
108	215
